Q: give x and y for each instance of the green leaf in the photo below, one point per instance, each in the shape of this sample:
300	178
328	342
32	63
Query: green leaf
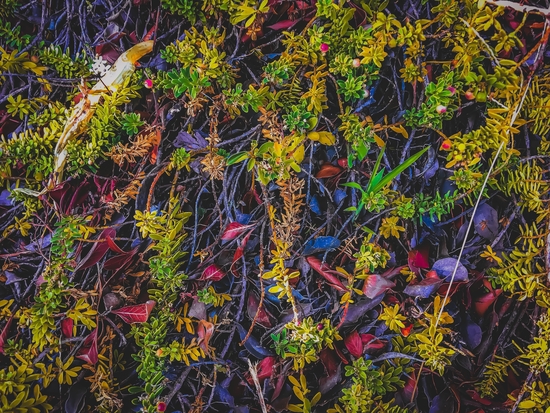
238	157
353	185
135	389
391	175
375	170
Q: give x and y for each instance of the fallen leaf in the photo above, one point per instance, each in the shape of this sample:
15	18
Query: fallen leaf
445	267
204	332
233	230
212	273
354	344
135	313
326	272
375	285
89	352
424	288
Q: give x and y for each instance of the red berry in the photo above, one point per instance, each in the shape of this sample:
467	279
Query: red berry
320	326
469	95
324	48
161	406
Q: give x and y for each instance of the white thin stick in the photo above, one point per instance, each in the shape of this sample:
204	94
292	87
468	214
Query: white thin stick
254	375
519	7
512	120
467	232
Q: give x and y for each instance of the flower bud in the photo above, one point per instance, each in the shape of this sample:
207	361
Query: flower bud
441	109
356	62
446	145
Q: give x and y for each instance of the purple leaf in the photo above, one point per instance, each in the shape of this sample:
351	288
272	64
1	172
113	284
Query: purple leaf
445	268
4	198
424	288
472	333
190	142
486	222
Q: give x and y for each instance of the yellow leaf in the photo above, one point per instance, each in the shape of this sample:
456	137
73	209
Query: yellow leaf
379	141
326	138
400	129
299	154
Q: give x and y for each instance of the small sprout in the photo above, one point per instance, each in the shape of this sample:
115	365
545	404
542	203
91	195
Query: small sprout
441	109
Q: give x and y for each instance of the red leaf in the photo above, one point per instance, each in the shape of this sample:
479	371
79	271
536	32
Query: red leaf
326	272
265	368
205	331
67	327
482	304
333	370
375	285
328	170
372	345
4	334
135	313
150	33
212	273
418	258
283	24
98	250
263	317
233	230
239	253
354	344
89	352
113	246
407	330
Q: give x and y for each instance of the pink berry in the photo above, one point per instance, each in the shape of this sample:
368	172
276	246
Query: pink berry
161	406
324	47
356	62
441	109
320	326
469	95
148	83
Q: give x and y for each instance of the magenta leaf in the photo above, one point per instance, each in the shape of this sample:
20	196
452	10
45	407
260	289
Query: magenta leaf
233	230
354	344
67	327
212	273
89	352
